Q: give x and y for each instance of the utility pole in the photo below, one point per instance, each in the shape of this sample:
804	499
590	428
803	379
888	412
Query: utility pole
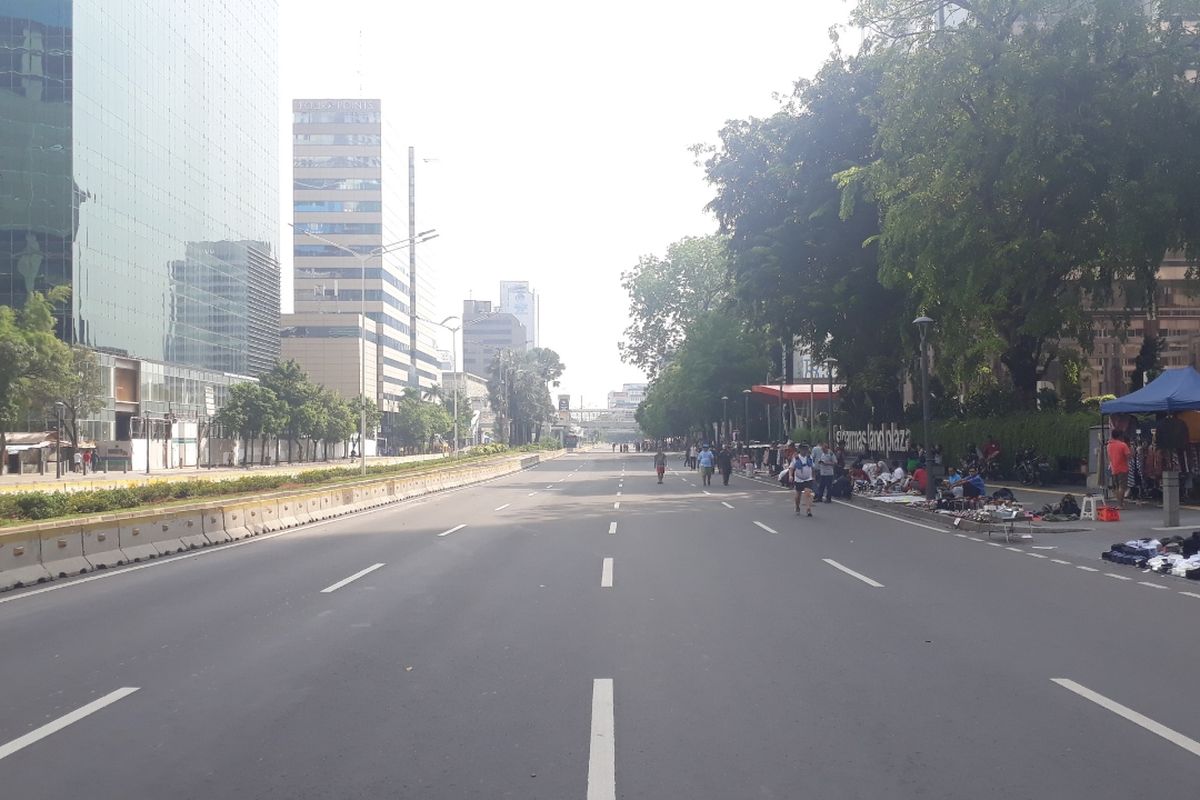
413	378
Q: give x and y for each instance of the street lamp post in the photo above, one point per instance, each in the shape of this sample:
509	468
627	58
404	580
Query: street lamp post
923	324
58	415
363	258
454	367
746	432
725	416
783	435
830	363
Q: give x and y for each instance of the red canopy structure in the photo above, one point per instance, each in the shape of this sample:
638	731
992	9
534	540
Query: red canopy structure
797	391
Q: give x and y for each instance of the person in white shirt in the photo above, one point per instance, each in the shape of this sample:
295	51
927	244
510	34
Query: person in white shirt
896	479
802	479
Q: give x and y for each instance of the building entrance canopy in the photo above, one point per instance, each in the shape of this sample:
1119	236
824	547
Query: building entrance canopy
796	391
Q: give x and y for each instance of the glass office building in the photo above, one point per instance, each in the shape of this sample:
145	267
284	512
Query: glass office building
138	164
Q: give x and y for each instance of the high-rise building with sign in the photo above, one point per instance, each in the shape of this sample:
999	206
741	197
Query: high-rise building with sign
520	300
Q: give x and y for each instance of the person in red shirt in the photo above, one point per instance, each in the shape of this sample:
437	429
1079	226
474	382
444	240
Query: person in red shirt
1118	465
991	452
920	478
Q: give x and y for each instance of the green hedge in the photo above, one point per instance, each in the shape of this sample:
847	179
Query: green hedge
48	505
1056	436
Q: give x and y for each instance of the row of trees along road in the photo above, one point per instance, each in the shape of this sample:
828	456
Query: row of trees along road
38	370
518	390
1005	174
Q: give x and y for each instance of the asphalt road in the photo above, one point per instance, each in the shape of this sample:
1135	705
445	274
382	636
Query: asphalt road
681	645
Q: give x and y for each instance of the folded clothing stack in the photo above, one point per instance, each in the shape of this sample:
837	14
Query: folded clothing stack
1173	555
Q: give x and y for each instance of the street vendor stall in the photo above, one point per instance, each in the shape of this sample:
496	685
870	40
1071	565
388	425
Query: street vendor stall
1173	396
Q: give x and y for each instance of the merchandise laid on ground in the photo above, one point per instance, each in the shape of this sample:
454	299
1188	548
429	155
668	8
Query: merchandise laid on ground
1171	555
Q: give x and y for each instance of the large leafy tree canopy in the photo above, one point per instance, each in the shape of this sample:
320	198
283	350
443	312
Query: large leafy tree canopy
803	256
667	294
1032	155
518	387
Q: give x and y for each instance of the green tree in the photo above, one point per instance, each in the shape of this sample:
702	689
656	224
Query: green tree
373	416
34	363
80	389
254	412
465	414
666	294
290	383
720	357
419	423
1031	156
339	420
803	254
519	390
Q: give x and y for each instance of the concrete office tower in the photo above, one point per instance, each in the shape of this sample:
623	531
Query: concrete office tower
520	300
350	187
138	165
486	333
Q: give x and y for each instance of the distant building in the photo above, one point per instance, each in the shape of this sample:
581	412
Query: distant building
520	300
485	333
350	189
630	396
474	389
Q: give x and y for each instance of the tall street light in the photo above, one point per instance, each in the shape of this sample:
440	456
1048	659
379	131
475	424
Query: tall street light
923	324
746	432
363	258
454	329
830	363
725	417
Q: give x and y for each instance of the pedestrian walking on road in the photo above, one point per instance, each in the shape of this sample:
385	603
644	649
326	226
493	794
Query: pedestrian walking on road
660	464
826	467
802	479
708	461
725	464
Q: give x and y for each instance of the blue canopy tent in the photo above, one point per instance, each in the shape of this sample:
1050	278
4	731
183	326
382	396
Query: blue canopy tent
1174	390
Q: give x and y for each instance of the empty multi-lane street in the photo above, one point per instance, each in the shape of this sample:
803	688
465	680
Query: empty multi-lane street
576	630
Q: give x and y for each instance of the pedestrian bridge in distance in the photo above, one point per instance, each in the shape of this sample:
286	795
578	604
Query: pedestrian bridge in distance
611	424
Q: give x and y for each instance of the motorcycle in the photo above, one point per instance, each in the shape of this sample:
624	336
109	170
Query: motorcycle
1031	468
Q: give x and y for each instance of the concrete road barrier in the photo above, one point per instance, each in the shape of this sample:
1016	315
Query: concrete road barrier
214	525
236	521
62	551
289	513
190	528
20	560
102	543
268	510
137	539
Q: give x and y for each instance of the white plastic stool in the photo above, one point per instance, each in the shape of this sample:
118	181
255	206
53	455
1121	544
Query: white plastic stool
1088	509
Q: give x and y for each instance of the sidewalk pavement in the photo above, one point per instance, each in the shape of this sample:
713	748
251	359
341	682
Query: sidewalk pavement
76	482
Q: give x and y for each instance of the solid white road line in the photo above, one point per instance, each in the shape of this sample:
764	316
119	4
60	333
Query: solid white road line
1118	577
975	539
1015	549
1086	569
1153	585
606	571
501	508
612	527
889	516
1172	736
602	758
22	742
1190	594
452	530
726	504
616	505
765	528
1037	555
351	579
852	573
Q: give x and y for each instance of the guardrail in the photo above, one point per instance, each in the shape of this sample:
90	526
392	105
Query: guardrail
39	552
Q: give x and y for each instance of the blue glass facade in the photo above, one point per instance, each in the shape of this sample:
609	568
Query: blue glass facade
138	164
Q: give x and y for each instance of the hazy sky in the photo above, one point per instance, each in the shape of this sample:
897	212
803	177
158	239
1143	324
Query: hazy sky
560	132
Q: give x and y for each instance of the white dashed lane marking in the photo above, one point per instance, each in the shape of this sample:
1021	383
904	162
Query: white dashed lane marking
1158	729
766	528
